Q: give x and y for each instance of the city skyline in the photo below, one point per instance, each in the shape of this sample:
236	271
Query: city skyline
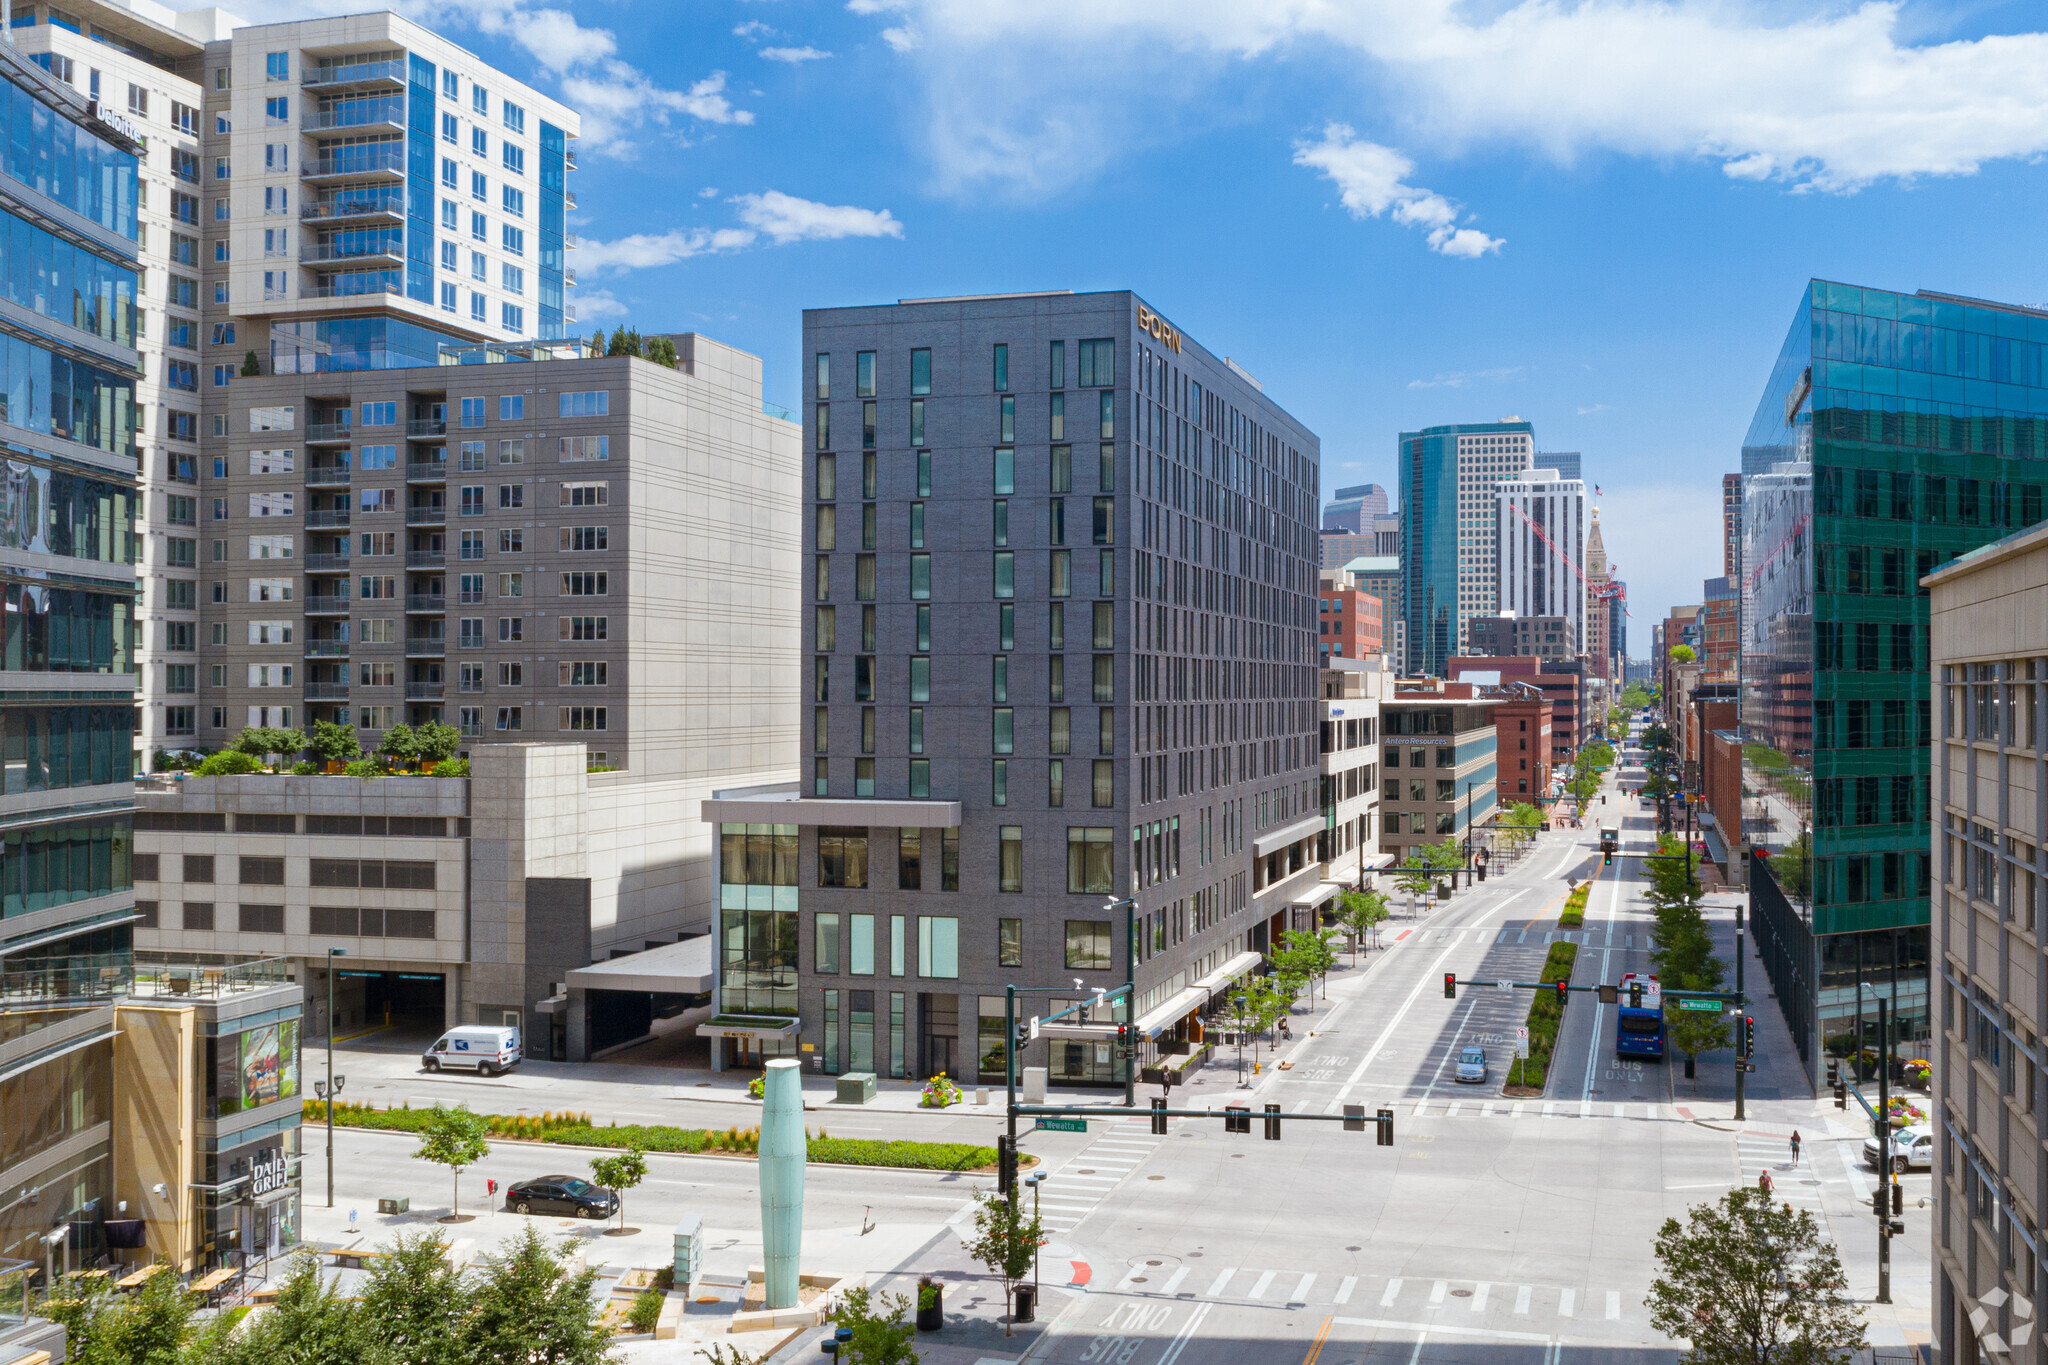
1630	310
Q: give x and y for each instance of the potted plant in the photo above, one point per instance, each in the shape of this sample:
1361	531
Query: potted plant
939	1092
931	1304
756	1087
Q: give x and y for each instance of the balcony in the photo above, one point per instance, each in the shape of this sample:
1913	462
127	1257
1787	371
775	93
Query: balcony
365	116
326	691
327	649
330	253
329	433
425	646
569	199
326	517
355	73
432	426
426	516
389	206
360	163
354	291
327	476
327	606
424	601
419	691
326	563
427	471
425	559
569	157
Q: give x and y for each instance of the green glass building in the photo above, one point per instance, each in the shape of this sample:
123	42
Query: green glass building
1897	431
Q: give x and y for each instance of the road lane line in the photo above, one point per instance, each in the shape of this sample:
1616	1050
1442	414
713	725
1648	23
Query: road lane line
1387	1034
1264	1282
1393	1289
1344	1288
1427	1327
1522	1299
1172	1352
1222	1283
1317	1348
1173	1280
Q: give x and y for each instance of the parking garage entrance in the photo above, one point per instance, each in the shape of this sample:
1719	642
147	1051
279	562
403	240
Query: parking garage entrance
411	1002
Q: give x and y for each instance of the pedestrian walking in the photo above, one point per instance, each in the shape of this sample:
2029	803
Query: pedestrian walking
1763	1183
1795	1147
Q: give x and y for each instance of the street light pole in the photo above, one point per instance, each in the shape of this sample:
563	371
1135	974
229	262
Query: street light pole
332	1092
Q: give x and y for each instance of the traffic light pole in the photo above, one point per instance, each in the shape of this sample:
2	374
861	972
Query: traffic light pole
1884	1151
1741	1076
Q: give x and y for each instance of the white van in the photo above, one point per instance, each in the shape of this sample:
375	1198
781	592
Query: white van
483	1048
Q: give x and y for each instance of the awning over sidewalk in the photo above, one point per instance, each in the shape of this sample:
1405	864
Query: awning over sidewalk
671	969
1318	894
1227	975
766	1027
1717	847
1171	1011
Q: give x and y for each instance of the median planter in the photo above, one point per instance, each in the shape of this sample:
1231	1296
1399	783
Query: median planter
931	1305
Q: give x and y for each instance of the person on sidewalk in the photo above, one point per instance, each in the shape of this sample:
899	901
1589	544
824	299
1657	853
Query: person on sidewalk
1795	1147
1763	1182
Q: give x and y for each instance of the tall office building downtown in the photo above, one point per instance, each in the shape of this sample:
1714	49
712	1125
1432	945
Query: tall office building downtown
1897	432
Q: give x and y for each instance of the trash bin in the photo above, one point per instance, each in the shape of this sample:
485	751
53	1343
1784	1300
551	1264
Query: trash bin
856	1087
1027	1303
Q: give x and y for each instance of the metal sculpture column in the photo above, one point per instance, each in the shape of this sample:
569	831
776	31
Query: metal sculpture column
782	1181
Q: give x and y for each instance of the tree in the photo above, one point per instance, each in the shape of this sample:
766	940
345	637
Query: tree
1683	654
1792	865
1749	1282
1694	1032
261	741
1416	874
1006	1238
528	1309
103	1328
401	745
1519	824
1302	956
880	1335
227	763
1359	913
415	1300
1256	1006
332	743
309	1323
455	1138
251	366
434	742
662	351
619	1172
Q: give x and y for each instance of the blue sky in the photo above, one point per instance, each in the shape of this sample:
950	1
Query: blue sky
1395	213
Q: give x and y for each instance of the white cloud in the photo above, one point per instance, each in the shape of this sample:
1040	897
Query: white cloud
1732	83
785	218
597	304
708	192
753	28
1369	181
1596	407
774	216
1460	379
795	56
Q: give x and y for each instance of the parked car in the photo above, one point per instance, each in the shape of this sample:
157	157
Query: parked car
568	1194
1471	1065
1911	1147
483	1048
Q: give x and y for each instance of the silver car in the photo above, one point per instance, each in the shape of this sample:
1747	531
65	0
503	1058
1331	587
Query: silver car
1911	1147
1471	1065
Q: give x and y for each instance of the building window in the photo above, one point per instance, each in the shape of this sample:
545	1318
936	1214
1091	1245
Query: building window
842	857
1088	945
1091	854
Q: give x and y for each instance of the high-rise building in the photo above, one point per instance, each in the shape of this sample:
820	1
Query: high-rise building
1335	549
1717	630
1599	589
1448	529
1988	619
1902	430
1439	747
1565	462
69	185
1386	534
1541	548
1541	637
1731	527
1617	622
1061	651
1380	575
1354	508
1352	624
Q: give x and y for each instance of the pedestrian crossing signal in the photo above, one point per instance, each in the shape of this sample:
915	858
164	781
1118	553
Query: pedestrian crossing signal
1450	985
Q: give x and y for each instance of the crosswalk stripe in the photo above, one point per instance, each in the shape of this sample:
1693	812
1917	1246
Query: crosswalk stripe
1517	1111
1522	1299
1135	1272
1547	1109
1065	1204
1564	1303
1173	1280
1452	1111
1479	1297
1621	1111
1522	937
1393	1288
1300	1294
1222	1283
1613	1305
1344	1289
1436	1293
1264	1282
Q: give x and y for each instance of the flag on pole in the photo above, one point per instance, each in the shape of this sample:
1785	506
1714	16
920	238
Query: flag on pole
1596	491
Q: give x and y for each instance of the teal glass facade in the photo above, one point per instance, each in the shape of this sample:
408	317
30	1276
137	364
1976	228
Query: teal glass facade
1897	431
1443	530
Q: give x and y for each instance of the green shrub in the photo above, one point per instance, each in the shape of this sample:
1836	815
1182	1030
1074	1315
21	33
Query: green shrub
923	1156
363	767
1545	1015
304	769
1574	915
646	1310
452	767
229	763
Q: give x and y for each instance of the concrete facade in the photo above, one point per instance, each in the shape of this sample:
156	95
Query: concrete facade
1445	788
1353	692
1541	554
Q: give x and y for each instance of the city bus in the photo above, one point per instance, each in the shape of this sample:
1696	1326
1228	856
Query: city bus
1639	1031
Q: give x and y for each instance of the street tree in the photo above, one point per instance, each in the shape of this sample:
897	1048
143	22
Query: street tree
1749	1282
1695	1033
457	1139
414	1301
529	1308
1302	956
1416	874
1006	1238
102	1327
619	1172
880	1335
1255	1006
1361	912
308	1323
1518	825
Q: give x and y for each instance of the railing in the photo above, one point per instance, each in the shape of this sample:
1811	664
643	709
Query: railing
317	432
378	163
431	426
367	206
775	410
423	601
163	975
328	517
431	646
327	649
426	516
344	291
425	559
427	471
361	114
570	158
326	691
327	476
329	252
419	691
569	276
326	563
357	73
327	606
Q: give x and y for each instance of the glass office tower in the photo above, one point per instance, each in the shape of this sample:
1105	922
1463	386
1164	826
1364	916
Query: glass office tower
1897	432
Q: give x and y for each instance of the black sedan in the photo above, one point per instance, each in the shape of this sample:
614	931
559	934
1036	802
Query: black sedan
568	1194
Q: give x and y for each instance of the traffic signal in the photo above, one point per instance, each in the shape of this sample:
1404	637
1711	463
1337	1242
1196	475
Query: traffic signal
1834	1073
1272	1123
1607	858
1748	1036
1885	1206
1237	1118
1384	1121
1635	996
1006	1164
1564	994
1159	1116
1898	1197
1450	985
